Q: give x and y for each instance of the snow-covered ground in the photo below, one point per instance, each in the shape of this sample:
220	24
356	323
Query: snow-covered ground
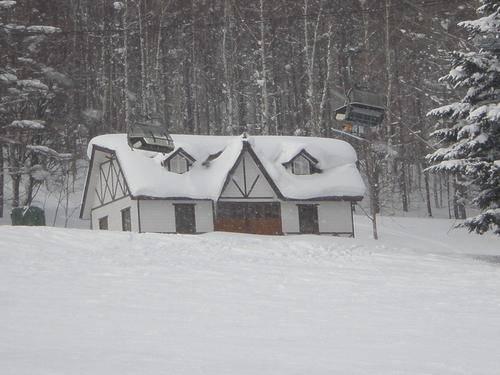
421	300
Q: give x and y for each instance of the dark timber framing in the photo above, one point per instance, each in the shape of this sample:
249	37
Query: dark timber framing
110	153
139	215
112	184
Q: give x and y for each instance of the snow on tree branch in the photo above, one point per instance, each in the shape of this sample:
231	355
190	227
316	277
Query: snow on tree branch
27	124
471	128
7	4
47	151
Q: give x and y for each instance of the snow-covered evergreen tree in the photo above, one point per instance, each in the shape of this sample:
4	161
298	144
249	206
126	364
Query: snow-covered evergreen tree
472	134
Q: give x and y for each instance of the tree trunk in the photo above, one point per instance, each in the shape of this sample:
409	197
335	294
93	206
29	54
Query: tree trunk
448	196
125	65
2	181
188	116
435	190
427	194
16	183
265	98
143	49
326	86
404	187
196	126
389	69
458	198
228	66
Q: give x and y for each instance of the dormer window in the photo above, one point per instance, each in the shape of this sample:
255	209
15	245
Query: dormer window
179	162
302	163
301	166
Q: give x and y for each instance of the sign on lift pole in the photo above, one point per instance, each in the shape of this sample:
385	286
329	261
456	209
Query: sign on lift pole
361	117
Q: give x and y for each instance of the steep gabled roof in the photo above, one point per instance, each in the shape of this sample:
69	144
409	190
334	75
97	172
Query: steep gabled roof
147	178
247	148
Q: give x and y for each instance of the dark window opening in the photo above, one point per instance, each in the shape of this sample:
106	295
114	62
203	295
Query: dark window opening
185	218
103	223
126	220
308	218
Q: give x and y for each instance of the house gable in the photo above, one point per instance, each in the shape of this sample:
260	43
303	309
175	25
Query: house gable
248	179
105	181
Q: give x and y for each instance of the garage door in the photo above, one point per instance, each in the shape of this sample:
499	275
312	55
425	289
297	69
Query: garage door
254	217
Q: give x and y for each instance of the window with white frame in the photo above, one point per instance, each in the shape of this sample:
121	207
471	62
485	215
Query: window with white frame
178	164
301	166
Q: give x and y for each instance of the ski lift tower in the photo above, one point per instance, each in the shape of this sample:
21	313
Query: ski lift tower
362	114
361	117
150	135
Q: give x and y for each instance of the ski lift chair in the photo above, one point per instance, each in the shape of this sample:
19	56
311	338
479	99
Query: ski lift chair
363	111
149	137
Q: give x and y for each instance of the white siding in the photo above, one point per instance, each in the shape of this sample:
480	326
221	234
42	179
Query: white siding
290	217
113	212
333	217
159	215
204	216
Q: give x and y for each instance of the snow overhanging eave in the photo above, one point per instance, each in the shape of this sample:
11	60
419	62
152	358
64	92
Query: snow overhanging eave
354	198
151	197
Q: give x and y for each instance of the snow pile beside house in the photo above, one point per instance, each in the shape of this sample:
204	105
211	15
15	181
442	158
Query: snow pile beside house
215	156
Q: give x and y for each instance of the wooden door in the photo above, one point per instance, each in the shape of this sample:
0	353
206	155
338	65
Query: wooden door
264	218
308	218
185	219
243	217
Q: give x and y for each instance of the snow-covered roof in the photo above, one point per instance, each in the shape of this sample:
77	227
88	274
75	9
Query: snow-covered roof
147	177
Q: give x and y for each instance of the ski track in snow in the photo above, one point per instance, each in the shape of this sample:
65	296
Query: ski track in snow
421	300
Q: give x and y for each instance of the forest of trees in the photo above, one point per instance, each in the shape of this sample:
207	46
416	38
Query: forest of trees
74	69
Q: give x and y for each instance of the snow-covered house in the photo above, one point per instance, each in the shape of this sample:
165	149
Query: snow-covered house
256	184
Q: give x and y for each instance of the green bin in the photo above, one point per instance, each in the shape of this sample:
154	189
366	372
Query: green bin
32	216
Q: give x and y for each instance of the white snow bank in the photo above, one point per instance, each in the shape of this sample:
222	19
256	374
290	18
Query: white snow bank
223	304
146	176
